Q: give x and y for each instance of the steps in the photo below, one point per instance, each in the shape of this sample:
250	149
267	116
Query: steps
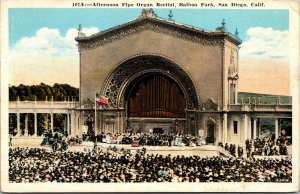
223	151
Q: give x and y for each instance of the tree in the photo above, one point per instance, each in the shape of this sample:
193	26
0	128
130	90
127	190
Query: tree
59	92
13	123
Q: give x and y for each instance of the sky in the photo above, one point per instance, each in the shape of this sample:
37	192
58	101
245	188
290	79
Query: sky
43	49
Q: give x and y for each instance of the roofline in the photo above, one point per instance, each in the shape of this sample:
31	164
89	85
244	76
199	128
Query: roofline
264	94
208	34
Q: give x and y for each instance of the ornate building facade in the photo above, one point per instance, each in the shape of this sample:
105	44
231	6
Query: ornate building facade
160	75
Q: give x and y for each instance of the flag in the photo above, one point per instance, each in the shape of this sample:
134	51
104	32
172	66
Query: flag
101	99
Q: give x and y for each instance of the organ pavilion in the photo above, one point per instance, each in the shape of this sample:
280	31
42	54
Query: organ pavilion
164	76
159	74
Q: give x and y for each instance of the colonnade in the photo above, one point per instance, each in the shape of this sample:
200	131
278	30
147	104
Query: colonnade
256	127
248	127
35	120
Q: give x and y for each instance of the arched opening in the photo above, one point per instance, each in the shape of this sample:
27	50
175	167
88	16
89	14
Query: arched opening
210	138
90	125
155	93
156	96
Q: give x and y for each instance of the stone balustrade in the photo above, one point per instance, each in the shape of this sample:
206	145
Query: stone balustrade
261	107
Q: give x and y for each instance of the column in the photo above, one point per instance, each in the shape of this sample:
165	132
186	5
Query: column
72	123
276	128
26	125
229	91
35	124
225	127
47	122
51	122
254	127
258	127
18	125
220	131
79	125
245	131
68	124
279	127
65	124
75	124
117	120
121	124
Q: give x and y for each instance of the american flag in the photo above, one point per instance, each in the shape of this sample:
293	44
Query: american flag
101	99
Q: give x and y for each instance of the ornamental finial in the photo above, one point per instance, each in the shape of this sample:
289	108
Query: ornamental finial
80	33
222	28
171	16
148	13
223	22
236	32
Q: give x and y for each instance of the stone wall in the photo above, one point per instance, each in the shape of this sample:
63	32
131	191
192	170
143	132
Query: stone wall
202	62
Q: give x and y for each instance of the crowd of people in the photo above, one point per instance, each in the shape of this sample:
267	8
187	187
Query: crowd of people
266	147
232	149
41	165
56	141
258	146
74	140
150	139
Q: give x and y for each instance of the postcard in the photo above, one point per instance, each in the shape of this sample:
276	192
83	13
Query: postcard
149	96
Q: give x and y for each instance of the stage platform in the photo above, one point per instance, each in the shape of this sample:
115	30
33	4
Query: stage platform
206	150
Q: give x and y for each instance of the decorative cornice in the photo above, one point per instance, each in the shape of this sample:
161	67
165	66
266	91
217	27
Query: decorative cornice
157	25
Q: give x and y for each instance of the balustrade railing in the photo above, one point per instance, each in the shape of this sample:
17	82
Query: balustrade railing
260	107
42	104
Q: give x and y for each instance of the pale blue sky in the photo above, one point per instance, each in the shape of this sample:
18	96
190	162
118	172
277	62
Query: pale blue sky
25	21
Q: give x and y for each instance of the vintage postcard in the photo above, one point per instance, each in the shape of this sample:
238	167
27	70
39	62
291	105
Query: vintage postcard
152	96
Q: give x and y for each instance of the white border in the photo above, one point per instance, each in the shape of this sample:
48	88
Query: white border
293	7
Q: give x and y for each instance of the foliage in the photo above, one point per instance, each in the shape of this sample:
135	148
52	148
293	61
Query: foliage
267	125
59	122
59	92
12	123
264	98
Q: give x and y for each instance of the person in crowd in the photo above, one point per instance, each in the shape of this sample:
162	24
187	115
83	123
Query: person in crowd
240	151
84	136
220	144
10	139
226	147
232	150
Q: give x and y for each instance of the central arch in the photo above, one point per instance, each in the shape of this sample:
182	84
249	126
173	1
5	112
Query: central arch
167	79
